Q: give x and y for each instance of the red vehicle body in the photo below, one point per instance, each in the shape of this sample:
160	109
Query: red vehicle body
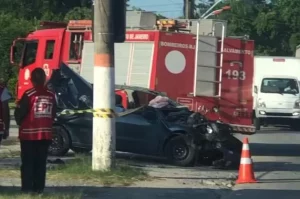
213	76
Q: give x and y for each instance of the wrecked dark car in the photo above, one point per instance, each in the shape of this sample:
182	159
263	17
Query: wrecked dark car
171	131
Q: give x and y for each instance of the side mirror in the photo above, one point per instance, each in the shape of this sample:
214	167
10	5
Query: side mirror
14	50
255	89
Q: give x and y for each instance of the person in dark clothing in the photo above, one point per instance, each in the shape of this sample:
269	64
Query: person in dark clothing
4	112
35	114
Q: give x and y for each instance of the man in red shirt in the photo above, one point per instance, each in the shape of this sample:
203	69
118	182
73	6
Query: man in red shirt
4	112
35	114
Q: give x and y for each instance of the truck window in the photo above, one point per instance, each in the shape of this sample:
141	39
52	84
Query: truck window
279	85
76	46
49	49
30	52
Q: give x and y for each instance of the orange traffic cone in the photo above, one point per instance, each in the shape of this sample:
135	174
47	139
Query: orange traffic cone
246	173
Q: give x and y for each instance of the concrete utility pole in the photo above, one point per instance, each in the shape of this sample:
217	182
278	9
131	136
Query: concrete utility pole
104	85
187	9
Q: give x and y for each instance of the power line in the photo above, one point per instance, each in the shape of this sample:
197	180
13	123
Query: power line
161	5
164	11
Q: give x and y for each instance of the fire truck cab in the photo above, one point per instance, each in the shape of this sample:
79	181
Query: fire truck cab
209	74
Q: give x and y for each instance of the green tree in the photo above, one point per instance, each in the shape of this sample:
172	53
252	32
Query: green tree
11	28
78	13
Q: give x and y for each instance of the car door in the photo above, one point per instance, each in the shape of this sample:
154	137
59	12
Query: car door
138	132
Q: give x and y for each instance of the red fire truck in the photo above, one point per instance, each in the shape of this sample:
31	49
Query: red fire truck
212	75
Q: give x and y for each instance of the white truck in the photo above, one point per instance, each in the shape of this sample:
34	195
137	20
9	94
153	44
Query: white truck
276	91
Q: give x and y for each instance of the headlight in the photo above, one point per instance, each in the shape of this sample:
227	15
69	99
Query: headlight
297	104
261	104
209	129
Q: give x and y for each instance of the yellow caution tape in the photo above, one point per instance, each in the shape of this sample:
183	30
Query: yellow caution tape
101	112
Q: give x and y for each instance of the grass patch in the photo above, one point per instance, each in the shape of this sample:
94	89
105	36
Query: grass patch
9	154
18	195
11	141
80	170
12	105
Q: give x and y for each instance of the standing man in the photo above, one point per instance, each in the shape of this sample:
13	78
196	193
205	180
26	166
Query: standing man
4	112
35	114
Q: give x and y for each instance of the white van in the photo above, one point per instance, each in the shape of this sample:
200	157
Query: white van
276	91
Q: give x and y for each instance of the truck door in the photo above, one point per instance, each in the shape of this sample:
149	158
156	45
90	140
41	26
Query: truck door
38	52
50	54
28	63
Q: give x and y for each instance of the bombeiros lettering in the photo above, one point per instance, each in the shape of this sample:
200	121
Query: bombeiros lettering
133	36
177	45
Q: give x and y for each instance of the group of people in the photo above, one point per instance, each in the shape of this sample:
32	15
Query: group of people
34	114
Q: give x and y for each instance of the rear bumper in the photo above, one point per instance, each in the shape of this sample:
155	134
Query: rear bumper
243	129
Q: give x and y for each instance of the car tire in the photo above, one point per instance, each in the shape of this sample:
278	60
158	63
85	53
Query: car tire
81	150
60	143
179	152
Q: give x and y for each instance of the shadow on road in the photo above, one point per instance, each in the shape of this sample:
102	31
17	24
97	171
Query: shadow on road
276	166
278	129
146	161
265	149
130	192
279	181
264	194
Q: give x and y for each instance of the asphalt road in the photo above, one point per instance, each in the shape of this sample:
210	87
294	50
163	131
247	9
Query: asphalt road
276	156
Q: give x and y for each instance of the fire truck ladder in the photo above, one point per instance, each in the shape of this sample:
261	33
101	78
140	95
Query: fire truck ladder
196	79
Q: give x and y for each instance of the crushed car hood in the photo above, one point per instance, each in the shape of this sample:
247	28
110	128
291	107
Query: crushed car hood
72	91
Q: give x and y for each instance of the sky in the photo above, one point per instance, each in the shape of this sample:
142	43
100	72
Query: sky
168	8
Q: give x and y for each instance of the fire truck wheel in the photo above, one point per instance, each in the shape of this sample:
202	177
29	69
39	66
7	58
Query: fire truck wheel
60	142
179	152
256	122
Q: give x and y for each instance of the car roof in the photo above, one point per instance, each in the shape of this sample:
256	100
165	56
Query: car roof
137	88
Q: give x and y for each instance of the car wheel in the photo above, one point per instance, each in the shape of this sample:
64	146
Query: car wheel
60	143
81	150
179	152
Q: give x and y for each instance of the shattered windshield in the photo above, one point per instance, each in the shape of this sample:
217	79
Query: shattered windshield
279	85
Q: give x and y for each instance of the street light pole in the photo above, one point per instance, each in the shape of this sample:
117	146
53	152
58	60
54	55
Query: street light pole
217	12
214	5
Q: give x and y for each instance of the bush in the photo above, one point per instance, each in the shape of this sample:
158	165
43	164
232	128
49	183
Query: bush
11	85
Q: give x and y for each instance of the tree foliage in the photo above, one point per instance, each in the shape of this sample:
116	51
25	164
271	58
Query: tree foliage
273	24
